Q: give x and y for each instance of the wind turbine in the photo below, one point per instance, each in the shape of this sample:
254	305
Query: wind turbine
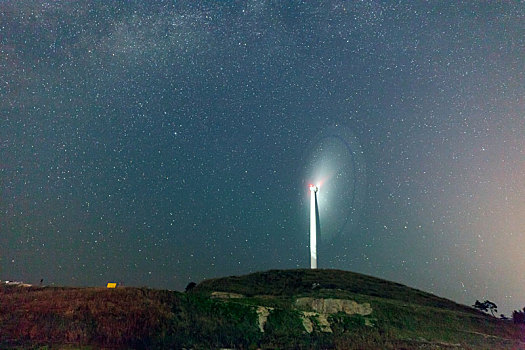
314	213
335	161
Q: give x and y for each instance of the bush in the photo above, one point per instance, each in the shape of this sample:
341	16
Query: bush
518	316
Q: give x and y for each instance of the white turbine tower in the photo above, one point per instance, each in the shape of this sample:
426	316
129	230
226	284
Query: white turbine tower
313	226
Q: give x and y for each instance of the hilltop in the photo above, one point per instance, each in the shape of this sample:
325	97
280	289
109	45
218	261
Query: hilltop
275	309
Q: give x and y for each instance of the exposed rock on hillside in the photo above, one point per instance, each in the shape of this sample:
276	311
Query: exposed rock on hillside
332	306
323	308
262	314
319	319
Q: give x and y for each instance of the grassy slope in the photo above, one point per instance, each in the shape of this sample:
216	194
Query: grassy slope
144	318
294	282
401	314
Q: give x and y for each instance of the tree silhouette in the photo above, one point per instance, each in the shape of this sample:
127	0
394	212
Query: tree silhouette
486	306
492	307
480	306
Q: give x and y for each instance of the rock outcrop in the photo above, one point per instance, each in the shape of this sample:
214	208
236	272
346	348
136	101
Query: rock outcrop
321	321
322	308
263	313
333	306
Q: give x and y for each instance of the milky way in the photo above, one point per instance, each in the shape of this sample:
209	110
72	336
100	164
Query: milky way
157	143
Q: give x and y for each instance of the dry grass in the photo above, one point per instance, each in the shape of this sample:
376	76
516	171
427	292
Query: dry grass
80	316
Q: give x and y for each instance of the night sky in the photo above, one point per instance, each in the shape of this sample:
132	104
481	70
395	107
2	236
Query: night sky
155	143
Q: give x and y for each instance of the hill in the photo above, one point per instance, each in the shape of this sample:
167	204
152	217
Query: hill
275	309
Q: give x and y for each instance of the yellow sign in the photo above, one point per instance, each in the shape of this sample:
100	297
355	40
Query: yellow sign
112	285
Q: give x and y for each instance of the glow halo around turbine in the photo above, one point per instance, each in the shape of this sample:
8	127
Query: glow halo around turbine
335	163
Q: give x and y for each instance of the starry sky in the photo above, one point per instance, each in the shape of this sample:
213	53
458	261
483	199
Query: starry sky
156	143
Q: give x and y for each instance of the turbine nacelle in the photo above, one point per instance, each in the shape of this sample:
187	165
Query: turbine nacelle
314	188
